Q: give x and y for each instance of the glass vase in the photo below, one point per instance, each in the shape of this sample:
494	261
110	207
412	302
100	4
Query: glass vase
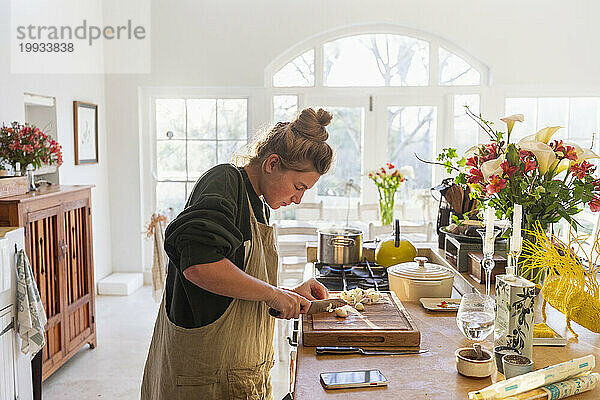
386	205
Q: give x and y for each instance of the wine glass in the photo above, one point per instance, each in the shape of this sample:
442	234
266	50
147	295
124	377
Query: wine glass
488	257
475	317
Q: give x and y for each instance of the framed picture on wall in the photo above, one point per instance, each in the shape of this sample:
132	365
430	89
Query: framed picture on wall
85	121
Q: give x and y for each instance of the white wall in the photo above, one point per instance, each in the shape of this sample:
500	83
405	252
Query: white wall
65	88
539	47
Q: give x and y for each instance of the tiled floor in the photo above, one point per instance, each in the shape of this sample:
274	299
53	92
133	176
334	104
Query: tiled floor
113	370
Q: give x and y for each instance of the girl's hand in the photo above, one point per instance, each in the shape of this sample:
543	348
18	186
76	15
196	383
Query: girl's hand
289	304
312	290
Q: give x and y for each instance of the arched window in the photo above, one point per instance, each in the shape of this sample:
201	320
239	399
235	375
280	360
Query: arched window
393	92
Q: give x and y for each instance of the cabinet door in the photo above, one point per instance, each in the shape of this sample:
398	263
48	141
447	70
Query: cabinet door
42	236
79	274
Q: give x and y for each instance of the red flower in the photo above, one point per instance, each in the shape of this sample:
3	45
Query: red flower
508	170
581	170
570	153
496	184
524	154
476	176
595	204
390	165
558	146
596	184
382	171
490	152
530	165
472	162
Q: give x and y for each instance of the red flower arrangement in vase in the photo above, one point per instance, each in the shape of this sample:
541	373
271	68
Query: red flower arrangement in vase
27	144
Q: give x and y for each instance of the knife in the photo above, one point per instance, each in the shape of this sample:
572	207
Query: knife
358	350
317	306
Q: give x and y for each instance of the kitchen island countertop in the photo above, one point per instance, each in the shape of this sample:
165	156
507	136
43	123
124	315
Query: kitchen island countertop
433	375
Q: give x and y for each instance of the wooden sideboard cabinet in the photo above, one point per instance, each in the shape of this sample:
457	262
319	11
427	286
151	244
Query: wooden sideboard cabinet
58	242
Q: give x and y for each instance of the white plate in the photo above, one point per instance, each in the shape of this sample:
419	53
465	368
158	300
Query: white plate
557	340
433	303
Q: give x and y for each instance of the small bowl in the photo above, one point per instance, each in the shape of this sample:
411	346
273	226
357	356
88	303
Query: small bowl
467	365
515	364
499	352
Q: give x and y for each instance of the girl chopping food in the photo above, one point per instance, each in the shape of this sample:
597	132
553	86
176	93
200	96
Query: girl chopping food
213	337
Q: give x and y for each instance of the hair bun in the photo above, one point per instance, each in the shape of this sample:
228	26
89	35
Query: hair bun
311	124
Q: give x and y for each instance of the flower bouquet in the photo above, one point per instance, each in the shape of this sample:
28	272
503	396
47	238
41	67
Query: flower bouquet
551	179
26	145
388	179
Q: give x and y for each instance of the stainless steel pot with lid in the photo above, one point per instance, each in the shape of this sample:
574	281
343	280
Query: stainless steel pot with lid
340	246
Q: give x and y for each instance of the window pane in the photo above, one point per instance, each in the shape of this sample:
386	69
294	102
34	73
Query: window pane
466	131
227	149
554	111
583	120
189	188
345	132
299	72
170	116
232	119
201	118
412	130
170	159
456	71
526	106
284	108
376	60
201	157
170	195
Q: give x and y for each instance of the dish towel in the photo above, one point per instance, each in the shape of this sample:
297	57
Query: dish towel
159	264
31	317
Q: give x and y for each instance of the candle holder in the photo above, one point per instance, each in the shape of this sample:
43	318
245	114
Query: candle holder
488	258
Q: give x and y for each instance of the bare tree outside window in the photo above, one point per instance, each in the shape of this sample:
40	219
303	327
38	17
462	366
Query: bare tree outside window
376	60
412	130
298	72
454	70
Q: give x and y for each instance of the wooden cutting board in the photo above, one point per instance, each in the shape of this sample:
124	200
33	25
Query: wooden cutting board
386	323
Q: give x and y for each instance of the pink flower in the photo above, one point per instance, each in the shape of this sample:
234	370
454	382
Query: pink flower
530	165
508	170
476	176
595	204
496	184
570	153
581	170
472	162
524	154
490	152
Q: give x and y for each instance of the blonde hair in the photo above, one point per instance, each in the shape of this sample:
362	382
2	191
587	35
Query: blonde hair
300	144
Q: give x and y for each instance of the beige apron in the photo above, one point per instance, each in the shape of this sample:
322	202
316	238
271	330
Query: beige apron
230	358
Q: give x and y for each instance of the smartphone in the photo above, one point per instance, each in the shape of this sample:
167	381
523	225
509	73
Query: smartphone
353	379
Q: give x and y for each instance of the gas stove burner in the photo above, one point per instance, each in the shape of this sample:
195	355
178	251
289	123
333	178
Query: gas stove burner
369	283
363	272
339	268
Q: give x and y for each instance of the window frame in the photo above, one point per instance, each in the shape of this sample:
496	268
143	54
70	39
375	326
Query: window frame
431	94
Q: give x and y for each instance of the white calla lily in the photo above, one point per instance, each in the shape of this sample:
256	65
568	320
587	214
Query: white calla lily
586	154
544	154
492	167
562	165
544	135
471	151
510	121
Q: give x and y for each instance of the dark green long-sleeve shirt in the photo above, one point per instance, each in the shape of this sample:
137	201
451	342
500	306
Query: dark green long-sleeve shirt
214	225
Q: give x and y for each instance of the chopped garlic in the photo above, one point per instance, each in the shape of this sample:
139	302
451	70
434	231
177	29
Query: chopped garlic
341	312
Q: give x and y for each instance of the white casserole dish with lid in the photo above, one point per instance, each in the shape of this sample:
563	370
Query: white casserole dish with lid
414	280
